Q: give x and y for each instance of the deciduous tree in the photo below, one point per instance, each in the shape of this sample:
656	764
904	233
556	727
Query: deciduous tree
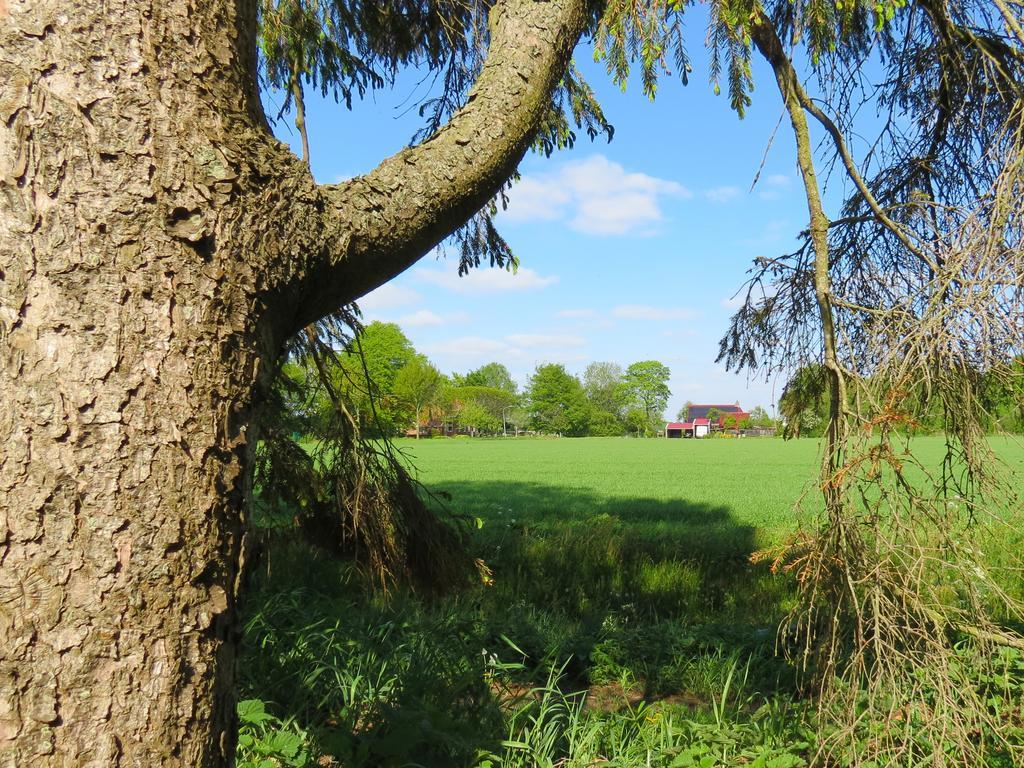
417	385
369	369
601	382
556	401
759	417
474	417
494	375
646	385
684	411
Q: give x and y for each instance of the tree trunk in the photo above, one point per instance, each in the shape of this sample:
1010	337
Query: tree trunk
157	246
129	358
123	432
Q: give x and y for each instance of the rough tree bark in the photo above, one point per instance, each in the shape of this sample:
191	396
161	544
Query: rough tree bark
157	245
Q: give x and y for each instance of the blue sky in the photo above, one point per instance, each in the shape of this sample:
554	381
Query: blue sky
630	250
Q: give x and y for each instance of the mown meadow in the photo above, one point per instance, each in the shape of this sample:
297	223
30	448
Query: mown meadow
623	622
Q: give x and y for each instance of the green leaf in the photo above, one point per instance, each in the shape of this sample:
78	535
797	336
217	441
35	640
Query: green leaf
285	743
253	711
785	760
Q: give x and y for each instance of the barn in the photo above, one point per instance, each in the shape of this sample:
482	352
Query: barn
679	429
694	428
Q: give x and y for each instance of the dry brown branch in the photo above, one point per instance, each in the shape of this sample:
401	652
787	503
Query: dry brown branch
912	303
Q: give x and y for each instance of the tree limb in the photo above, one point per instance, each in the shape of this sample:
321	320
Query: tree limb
767	42
1012	22
376	226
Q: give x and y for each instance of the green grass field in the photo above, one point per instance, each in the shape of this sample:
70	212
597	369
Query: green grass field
712	488
690	511
751	483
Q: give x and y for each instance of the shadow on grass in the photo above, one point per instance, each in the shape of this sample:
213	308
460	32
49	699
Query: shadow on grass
657	594
569	549
657	591
368	680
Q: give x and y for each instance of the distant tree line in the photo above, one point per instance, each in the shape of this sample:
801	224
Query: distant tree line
394	389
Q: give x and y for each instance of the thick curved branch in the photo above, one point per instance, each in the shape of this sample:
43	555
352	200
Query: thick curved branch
376	226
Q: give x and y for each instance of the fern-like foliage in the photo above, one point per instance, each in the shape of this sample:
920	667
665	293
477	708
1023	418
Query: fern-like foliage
324	478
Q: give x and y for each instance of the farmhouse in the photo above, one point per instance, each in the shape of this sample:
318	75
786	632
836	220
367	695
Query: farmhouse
700	424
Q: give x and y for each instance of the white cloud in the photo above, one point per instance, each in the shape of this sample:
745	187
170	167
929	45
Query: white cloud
585	319
616	214
774	185
515	346
722	194
389	296
735	302
485	280
420	319
770	235
533	198
596	195
545	341
645	312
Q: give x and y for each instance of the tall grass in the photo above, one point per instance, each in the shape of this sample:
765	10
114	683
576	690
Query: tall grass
462	681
